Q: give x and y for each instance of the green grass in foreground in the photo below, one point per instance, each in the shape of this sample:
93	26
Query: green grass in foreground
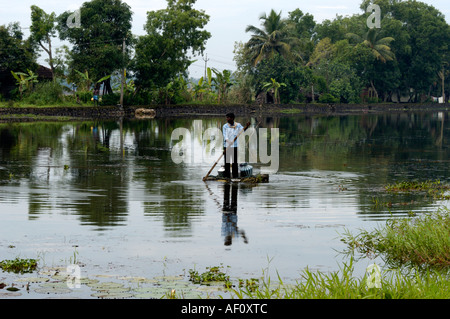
421	241
21	104
416	249
343	285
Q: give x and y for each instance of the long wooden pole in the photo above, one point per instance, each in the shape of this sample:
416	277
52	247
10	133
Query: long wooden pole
223	153
122	82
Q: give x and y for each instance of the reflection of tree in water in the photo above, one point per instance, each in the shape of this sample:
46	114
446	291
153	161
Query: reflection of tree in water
330	142
404	144
101	173
175	204
37	150
381	148
230	230
108	205
20	142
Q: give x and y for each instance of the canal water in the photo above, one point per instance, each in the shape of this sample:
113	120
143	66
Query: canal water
110	197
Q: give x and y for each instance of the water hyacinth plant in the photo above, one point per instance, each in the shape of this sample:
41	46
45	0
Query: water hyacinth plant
434	189
19	265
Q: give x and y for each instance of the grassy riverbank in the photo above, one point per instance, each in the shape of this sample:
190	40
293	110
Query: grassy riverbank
421	241
416	252
343	285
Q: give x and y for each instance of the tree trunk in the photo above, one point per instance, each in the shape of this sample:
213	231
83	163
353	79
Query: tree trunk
50	56
108	86
374	89
389	96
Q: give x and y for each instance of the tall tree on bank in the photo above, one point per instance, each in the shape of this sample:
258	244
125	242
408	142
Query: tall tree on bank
422	38
378	46
172	33
43	29
97	44
273	38
301	26
276	50
429	40
16	54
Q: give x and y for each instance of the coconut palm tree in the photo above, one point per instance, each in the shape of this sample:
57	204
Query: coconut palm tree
272	38
380	48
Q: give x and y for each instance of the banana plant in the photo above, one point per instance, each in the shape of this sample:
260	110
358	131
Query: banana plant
168	92
25	81
274	86
130	87
223	83
103	79
199	89
86	81
209	78
204	88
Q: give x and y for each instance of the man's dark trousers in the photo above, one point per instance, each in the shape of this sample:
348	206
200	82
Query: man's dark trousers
231	155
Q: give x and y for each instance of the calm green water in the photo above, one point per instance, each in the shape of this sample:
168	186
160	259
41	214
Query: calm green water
109	195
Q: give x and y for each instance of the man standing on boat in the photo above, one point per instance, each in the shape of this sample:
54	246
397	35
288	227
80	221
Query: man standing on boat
230	130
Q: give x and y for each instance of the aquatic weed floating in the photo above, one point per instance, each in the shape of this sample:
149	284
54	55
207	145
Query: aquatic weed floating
19	265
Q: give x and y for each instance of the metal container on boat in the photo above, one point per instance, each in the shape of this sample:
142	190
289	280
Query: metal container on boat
245	170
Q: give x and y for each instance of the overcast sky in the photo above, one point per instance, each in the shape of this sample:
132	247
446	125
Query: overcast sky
228	19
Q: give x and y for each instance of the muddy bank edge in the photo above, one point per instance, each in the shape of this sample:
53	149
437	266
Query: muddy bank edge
105	112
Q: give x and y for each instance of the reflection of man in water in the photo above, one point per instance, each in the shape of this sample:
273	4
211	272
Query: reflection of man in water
229	216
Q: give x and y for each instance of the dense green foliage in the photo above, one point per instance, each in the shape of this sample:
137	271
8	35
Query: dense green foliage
43	29
291	59
16	54
161	55
405	58
98	43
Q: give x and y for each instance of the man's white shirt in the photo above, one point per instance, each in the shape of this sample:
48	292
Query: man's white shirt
230	132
